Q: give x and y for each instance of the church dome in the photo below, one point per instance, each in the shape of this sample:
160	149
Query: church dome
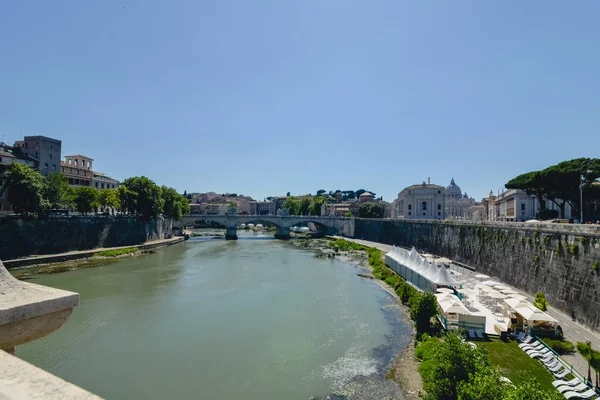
453	189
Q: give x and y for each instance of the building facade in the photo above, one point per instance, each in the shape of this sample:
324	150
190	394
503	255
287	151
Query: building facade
516	205
458	205
366	197
262	208
101	181
209	208
425	201
78	170
46	151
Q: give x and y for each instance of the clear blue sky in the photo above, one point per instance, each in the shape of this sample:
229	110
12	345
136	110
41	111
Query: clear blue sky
265	97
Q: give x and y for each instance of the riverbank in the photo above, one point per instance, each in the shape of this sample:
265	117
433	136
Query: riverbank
59	262
405	368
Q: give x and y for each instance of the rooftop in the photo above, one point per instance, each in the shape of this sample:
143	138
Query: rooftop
80	156
424	186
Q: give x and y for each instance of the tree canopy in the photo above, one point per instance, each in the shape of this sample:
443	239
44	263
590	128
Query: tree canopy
175	205
140	195
25	190
371	209
109	198
86	199
57	191
560	183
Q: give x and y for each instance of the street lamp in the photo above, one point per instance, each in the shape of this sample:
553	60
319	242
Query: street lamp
582	185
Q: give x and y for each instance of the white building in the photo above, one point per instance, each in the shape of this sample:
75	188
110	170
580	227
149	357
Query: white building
262	208
516	205
425	201
458	205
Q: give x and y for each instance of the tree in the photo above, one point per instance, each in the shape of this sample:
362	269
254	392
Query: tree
595	363
348	214
530	391
142	196
86	199
127	198
585	349
25	188
174	204
485	384
109	198
451	366
422	310
292	204
305	205
288	194
321	192
540	301
316	204
371	210
56	190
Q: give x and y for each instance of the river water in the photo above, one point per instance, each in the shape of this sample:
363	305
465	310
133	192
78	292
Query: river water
214	319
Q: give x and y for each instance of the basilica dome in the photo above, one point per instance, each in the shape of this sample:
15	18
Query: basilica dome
453	189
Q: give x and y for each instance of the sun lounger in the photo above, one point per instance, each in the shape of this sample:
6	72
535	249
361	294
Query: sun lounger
529	344
561	374
527	339
552	364
572	382
537	353
579	395
556	368
579	388
548	357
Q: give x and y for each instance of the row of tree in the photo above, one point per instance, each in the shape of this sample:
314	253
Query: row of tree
34	195
560	184
312	206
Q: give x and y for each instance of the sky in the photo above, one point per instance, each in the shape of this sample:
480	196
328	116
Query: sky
265	97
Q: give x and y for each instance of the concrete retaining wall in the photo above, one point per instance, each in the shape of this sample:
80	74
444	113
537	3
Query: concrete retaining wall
20	238
553	258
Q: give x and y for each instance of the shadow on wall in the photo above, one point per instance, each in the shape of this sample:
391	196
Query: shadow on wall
21	237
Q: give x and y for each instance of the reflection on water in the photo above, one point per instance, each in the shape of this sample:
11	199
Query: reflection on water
252	319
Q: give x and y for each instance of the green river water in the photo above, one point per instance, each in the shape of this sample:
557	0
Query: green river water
215	319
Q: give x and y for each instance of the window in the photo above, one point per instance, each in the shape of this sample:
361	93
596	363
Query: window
53	167
439	191
439	206
50	155
46	166
439	213
424	206
522	206
96	184
409	213
410	206
50	147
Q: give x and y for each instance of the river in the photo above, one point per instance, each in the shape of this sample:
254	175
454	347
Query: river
215	319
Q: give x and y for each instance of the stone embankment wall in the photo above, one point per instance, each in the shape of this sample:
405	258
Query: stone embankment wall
20	238
556	259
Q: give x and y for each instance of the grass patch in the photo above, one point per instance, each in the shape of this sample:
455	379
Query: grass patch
516	365
117	252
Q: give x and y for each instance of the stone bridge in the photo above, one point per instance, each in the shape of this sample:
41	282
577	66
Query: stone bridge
283	223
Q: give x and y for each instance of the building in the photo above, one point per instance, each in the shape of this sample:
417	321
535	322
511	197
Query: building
101	181
209	208
78	170
337	210
458	205
516	205
366	197
46	152
490	209
262	208
424	201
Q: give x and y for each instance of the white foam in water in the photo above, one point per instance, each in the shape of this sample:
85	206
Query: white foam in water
356	361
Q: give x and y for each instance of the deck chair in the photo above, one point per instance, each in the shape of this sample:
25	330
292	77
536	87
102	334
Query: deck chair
561	374
579	395
572	382
579	388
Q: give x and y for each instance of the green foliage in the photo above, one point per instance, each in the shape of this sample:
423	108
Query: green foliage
484	384
531	391
109	198
422	309
540	301
450	366
560	346
586	351
175	205
85	199
573	249
536	262
141	196
57	191
584	240
304	206
346	245
596	266
25	190
371	209
117	252
348	214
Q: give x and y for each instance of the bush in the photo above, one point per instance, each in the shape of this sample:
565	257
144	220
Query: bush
540	301
596	266
560	346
